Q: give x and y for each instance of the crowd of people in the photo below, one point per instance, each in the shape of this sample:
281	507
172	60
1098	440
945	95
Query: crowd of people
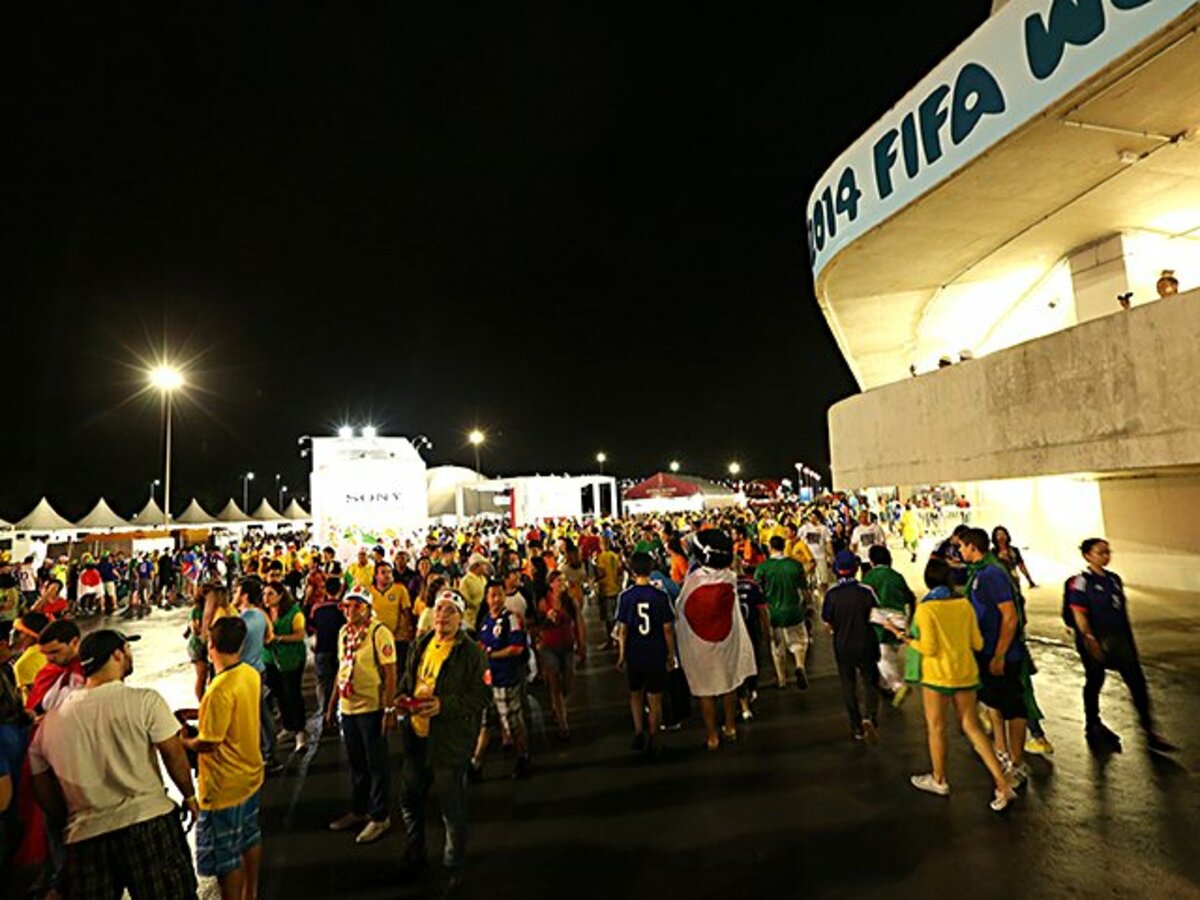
447	637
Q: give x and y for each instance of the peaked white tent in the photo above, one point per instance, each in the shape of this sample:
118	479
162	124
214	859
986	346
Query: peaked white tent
295	512
194	514
101	516
266	513
43	518
150	514
232	513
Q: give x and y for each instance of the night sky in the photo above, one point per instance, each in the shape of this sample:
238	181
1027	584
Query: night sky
578	227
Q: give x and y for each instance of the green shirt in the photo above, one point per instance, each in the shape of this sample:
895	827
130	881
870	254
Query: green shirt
893	593
782	581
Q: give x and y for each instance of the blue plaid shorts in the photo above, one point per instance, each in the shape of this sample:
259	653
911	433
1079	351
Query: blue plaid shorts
223	835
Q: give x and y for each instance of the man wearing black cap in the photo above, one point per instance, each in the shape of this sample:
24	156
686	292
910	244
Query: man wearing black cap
847	613
93	772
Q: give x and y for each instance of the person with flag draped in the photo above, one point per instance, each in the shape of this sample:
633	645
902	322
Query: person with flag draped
714	645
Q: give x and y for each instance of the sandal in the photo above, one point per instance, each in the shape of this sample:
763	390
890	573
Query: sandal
729	734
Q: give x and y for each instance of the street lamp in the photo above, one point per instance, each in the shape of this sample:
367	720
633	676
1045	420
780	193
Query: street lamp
601	459
674	465
476	437
167	380
155	483
247	477
282	490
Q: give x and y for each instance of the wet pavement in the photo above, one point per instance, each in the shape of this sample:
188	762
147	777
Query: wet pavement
795	807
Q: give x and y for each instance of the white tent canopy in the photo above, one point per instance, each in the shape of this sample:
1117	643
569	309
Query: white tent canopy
102	516
151	514
266	513
295	512
194	515
43	518
232	513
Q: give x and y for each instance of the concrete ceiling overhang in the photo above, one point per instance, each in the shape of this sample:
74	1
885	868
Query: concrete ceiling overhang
1119	153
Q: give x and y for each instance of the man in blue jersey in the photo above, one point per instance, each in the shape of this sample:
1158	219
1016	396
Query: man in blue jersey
645	649
503	638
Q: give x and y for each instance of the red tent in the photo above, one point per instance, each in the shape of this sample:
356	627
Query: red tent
664	484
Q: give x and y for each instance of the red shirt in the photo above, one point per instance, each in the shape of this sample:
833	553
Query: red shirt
560	634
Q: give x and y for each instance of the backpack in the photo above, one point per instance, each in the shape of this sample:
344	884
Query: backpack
1068	616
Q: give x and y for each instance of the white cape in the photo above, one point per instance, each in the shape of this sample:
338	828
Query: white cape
714	645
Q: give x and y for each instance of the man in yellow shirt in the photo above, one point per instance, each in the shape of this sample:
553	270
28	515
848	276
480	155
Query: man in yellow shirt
608	586
445	688
391	604
228	839
473	586
360	573
24	641
366	686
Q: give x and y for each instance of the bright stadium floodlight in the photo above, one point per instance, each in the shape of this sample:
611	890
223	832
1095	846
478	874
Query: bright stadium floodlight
345	432
369	431
735	468
674	465
601	459
167	380
476	438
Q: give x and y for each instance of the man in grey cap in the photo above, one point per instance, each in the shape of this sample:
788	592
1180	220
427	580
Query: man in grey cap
94	774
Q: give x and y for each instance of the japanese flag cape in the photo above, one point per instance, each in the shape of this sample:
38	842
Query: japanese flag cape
714	646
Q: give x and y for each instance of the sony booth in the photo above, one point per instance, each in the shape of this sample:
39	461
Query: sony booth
370	489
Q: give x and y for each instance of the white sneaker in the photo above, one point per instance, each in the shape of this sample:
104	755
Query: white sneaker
1001	799
1005	760
301	740
374	831
928	784
747	715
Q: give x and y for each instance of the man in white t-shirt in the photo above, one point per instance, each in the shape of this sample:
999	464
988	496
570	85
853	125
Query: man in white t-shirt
816	537
866	534
95	771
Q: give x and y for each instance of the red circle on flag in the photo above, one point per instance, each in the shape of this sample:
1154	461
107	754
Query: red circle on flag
709	611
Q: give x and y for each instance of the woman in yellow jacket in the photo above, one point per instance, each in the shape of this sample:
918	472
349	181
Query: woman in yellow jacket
946	635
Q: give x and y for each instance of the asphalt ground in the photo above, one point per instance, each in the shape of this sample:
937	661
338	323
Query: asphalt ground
795	807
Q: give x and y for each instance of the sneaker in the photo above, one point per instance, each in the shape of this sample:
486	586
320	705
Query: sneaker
870	733
639	742
346	822
374	831
1005	760
901	694
1039	745
857	735
301	740
930	785
747	715
1158	743
1002	798
801	680
1018	773
283	735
